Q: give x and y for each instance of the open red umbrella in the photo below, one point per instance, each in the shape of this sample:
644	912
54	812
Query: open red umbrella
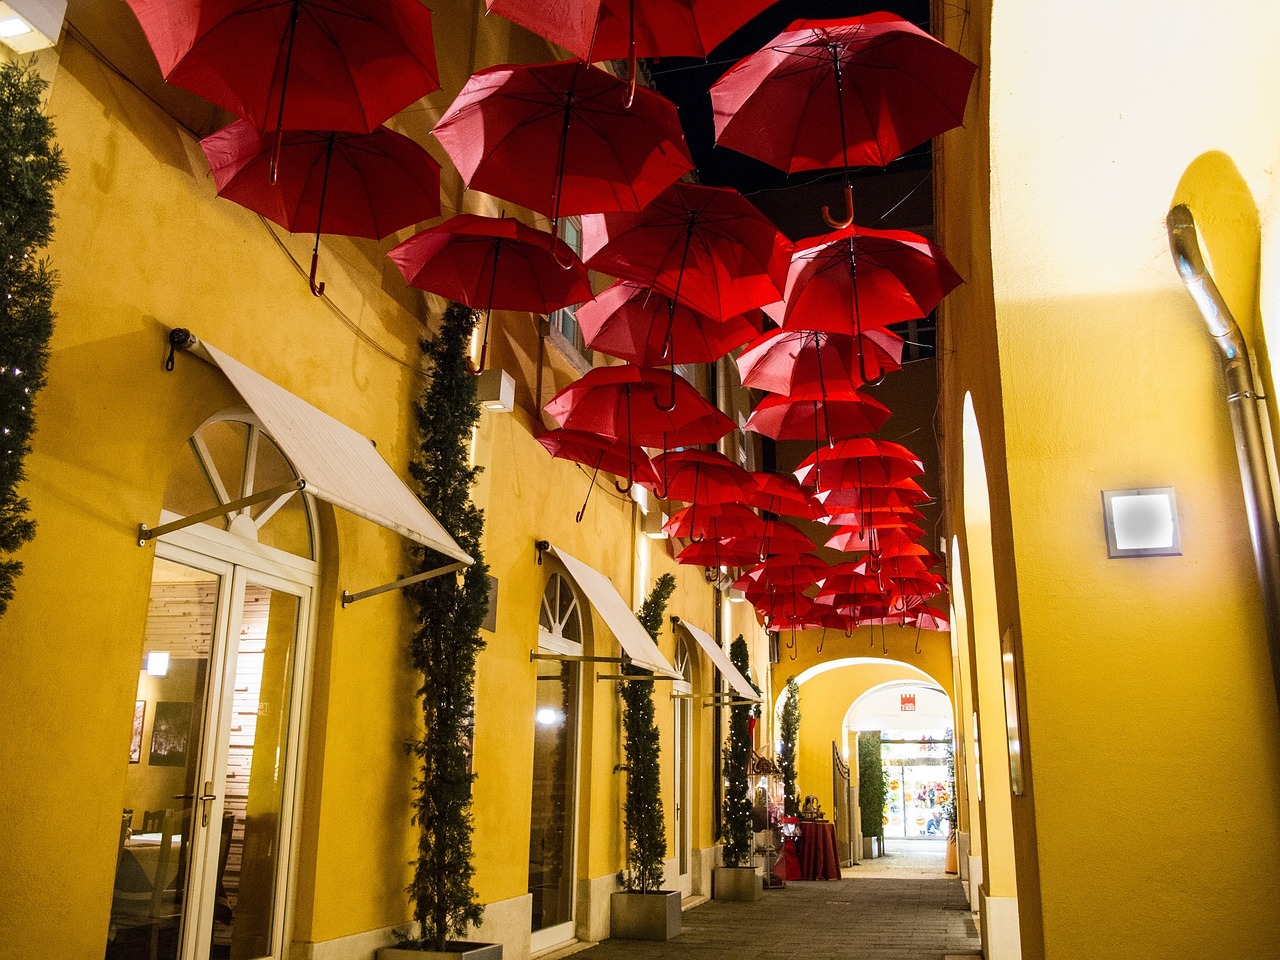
857	279
831	93
705	247
780	493
855	539
628	403
783	361
859	461
493	263
718	523
881	518
298	64
633	323
817	415
598	453
701	477
716	553
779	538
559	138
870	496
353	184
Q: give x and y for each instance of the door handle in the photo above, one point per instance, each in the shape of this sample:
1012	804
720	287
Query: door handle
205	798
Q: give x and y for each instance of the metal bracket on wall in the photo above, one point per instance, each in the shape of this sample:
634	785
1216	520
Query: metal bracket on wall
284	490
350	598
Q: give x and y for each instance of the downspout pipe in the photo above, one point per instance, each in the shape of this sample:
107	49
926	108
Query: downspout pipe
1246	424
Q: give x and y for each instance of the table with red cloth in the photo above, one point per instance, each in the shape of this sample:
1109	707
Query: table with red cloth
812	855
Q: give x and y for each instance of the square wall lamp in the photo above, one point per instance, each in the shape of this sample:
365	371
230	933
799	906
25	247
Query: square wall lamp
1141	522
496	391
27	25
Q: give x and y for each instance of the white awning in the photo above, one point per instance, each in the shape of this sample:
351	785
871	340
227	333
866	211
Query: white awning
338	465
635	640
722	662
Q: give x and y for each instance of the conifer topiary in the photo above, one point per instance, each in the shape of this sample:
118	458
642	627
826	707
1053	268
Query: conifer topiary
789	733
31	165
645	826
446	641
737	759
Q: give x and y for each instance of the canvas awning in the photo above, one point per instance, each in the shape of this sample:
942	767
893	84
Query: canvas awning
721	659
337	464
635	640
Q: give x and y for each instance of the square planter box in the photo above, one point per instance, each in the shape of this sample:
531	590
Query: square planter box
736	883
454	950
645	916
870	848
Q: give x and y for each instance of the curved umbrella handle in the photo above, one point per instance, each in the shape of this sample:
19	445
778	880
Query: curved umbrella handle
624	489
556	244
848	209
317	289
475	369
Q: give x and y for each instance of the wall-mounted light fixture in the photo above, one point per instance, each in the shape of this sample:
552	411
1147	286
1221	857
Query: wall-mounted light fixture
158	663
735	595
653	521
27	25
496	391
1141	522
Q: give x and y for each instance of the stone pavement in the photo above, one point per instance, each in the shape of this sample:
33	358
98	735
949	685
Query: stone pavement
886	912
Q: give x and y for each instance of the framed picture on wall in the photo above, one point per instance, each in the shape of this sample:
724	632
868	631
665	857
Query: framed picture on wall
135	745
169	731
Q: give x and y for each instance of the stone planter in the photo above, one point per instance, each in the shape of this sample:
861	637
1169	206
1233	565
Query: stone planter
645	916
736	883
454	950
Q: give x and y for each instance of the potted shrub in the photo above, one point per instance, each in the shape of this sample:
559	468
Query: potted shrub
443	648
737	879
642	910
871	793
789	732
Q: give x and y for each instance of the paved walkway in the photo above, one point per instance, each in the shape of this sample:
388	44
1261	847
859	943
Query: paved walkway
899	907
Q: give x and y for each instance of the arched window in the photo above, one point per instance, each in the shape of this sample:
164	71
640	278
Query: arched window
561	615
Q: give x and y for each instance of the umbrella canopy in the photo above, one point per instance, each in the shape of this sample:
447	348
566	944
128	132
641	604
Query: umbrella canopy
630	403
297	65
831	93
779	493
784	361
870	497
701	476
599	453
857	279
706	247
818	416
860	462
881	518
353	184
855	539
715	553
778	539
633	323
718	523
607	29
559	139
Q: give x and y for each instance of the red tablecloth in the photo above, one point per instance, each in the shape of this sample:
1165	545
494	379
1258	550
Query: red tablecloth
816	851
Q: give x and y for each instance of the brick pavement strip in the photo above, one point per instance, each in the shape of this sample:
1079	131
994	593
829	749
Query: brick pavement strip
863	918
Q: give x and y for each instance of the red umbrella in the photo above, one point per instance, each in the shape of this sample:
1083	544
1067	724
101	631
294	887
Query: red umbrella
297	65
718	523
715	553
818	416
778	538
702	477
783	361
705	247
623	402
353	184
596	30
493	263
870	497
633	323
787	103
847	579
857	279
559	138
780	493
860	462
854	539
598	453
879	518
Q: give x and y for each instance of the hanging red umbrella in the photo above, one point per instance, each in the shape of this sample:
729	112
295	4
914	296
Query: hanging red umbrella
879	518
859	461
778	538
870	497
493	263
817	415
804	569
707	248
826	94
716	522
783	361
633	323
623	402
595	30
701	477
858	279
780	493
598	453
559	138
296	65
845	579
855	539
715	553
353	184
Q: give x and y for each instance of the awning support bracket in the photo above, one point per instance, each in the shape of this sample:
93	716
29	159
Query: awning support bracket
145	534
633	676
572	658
350	598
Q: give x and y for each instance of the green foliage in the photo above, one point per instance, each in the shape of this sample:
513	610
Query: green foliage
789	731
737	760
31	165
950	808
871	783
446	641
646	829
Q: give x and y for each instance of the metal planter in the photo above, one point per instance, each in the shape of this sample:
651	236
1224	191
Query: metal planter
645	916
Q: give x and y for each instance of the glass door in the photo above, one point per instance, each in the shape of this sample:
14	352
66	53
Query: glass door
551	836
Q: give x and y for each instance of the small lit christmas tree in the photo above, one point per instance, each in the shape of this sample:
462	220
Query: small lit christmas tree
737	759
789	730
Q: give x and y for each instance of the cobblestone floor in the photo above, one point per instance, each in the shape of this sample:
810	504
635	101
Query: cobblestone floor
904	910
